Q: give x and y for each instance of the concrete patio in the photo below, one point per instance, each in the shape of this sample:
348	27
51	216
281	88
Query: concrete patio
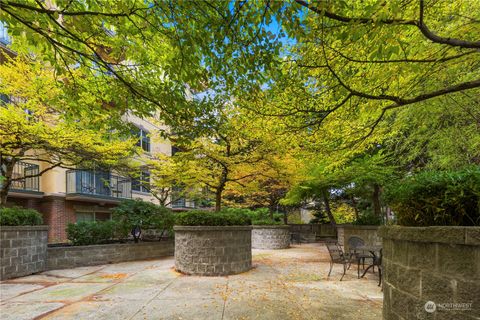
284	284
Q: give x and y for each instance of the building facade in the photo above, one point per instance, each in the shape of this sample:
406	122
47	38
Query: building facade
66	196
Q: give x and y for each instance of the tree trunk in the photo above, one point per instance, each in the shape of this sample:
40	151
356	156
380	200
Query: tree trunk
326	200
218	200
377	210
6	172
354	204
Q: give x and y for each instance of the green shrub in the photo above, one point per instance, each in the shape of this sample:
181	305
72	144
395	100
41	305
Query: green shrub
146	215
261	216
368	218
20	217
437	198
93	232
207	218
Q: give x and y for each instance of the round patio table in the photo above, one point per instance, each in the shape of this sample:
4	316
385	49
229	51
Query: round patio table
376	252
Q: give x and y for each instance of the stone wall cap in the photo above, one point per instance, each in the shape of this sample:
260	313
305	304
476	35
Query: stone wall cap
273	226
436	234
110	245
24	228
212	228
353	226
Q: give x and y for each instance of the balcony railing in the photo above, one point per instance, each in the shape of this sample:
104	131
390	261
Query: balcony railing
21	176
98	183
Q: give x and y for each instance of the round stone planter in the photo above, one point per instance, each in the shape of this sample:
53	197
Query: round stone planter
213	250
431	271
271	237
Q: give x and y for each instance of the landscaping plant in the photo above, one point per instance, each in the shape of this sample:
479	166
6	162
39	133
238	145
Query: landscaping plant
16	216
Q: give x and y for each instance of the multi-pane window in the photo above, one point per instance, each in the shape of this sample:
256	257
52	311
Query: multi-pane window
92	216
141	183
143	139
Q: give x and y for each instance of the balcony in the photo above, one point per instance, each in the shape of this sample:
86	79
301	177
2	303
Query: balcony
92	184
24	179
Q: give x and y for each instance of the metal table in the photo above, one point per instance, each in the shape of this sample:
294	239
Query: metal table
376	252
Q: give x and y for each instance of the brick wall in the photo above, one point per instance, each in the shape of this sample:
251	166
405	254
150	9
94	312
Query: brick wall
213	251
270	237
55	214
23	250
438	265
78	256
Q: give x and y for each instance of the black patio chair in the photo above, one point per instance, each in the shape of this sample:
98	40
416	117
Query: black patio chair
337	256
355	254
377	261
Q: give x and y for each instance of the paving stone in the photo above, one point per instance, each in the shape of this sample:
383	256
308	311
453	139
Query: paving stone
97	310
198	309
26	311
62	292
10	290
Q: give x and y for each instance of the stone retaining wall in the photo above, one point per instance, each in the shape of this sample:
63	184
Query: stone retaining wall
23	250
312	232
437	264
213	251
77	256
270	237
369	234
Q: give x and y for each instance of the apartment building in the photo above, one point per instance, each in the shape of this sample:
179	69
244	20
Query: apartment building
66	196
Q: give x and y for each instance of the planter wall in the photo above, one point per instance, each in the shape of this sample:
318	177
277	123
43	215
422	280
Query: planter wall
77	256
213	251
312	232
271	237
437	264
23	250
369	234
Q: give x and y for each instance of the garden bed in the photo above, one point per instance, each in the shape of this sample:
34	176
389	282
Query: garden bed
271	237
440	265
62	257
213	250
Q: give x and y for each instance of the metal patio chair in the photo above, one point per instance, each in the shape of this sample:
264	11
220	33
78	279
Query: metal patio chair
355	254
337	256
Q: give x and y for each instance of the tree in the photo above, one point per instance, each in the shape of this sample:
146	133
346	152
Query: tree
42	121
230	150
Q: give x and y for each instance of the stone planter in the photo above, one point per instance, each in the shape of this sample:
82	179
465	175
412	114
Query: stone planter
213	250
431	272
369	234
271	237
79	256
23	250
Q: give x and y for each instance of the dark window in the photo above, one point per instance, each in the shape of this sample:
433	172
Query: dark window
143	139
141	183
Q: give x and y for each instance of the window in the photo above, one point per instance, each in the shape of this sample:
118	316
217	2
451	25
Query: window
85	216
143	139
92	216
175	150
141	183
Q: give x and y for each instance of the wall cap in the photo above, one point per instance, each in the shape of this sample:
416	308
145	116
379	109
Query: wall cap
24	228
353	226
436	234
110	245
270	226
212	228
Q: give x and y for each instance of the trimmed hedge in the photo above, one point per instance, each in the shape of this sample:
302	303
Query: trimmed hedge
437	198
207	218
20	217
261	216
92	232
146	215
